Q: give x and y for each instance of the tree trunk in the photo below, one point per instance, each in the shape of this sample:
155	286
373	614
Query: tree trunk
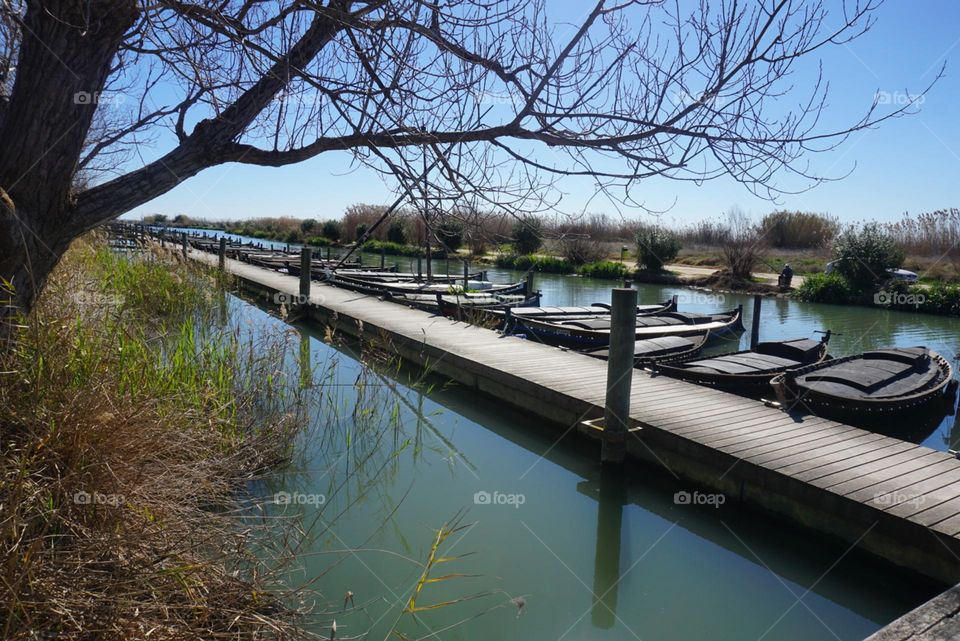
65	57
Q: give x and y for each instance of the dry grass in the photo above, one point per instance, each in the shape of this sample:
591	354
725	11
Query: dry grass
128	435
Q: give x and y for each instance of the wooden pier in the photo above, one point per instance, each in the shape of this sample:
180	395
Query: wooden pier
895	499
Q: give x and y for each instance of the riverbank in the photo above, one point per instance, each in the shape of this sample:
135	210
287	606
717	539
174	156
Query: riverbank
132	417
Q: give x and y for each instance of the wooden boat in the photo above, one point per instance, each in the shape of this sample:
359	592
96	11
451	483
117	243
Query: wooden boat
595	332
405	286
471	307
748	372
869	387
594	310
667	349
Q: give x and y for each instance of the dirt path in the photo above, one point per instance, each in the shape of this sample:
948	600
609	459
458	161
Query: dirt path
689	271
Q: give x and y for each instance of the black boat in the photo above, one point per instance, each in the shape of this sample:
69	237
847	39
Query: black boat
595	310
667	349
869	387
595	332
748	372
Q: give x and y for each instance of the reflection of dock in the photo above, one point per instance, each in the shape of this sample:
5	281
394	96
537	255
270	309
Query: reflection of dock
898	500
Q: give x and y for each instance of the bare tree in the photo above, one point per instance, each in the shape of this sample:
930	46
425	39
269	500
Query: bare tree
481	88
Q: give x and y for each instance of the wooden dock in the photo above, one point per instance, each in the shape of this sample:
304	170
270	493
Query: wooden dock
895	499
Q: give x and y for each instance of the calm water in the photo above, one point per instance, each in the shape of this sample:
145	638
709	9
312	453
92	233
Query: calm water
395	455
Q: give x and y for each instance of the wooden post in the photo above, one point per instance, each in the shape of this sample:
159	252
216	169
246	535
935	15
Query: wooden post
183	241
606	560
528	287
328	252
306	262
466	273
222	252
383	258
755	325
616	413
419	268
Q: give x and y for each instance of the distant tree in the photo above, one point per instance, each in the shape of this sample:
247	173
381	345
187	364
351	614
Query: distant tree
451	233
526	237
159	219
361	230
397	232
656	246
308	226
742	245
331	229
863	254
181	219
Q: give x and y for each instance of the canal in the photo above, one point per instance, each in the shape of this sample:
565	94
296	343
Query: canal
548	547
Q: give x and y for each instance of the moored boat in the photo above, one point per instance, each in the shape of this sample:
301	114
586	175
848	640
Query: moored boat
595	332
666	349
748	372
874	386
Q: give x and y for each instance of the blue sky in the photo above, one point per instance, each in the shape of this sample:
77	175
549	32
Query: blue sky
910	164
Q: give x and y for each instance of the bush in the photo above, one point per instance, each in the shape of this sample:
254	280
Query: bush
394	249
544	264
656	247
308	225
319	241
332	230
939	298
526	236
864	254
741	250
361	230
825	288
798	229
397	233
603	269
580	250
451	233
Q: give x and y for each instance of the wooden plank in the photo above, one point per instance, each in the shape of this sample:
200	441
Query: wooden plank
861	478
864	462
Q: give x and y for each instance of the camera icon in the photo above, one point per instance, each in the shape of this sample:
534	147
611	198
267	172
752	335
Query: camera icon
482	498
282	498
83	98
881	298
82	498
682	498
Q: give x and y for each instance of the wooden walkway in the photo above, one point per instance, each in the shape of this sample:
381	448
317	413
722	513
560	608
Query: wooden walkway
936	620
898	500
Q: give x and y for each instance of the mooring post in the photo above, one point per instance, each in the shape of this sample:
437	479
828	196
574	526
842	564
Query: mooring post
466	273
616	413
328	252
755	325
222	252
383	258
528	286
419	268
305	265
183	241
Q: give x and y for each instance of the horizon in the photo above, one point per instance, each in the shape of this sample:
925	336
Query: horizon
906	165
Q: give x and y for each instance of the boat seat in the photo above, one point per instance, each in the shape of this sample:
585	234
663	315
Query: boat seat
909	355
747	363
801	350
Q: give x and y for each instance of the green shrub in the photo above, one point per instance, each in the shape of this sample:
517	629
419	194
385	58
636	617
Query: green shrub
656	246
939	298
603	269
544	264
392	248
361	230
332	230
451	233
308	225
825	288
397	233
864	254
319	241
526	236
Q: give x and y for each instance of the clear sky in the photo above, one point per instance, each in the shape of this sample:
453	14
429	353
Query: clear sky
910	164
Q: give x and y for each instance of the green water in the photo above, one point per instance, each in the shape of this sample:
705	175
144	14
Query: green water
395	455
